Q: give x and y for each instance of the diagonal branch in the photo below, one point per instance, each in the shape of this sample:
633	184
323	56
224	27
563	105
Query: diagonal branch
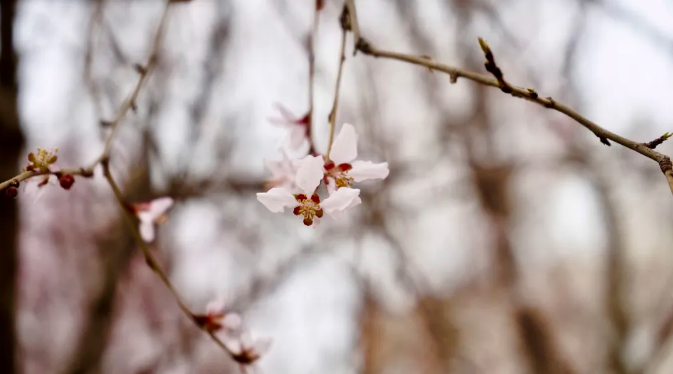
129	104
524	93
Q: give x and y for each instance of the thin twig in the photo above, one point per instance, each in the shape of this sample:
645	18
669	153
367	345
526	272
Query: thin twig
149	257
128	104
525	93
311	74
103	160
345	26
354	24
658	141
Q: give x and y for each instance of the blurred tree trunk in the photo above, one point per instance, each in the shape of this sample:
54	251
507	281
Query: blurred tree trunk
11	143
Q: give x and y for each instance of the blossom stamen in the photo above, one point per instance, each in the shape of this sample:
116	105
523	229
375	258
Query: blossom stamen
42	160
339	173
308	208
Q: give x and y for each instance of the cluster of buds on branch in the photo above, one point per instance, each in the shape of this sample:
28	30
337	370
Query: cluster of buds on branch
243	346
42	163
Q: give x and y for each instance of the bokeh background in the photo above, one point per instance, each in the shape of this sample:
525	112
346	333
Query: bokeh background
507	238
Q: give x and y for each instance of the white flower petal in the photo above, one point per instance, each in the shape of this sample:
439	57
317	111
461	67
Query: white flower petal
296	136
337	214
232	321
331	186
233	344
277	199
246	340
340	200
215	306
310	173
345	146
159	206
262	345
363	170
147	231
285	113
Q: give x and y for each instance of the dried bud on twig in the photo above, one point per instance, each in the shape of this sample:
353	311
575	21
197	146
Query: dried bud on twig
66	181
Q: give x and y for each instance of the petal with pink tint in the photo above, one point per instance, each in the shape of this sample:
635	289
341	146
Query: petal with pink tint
344	148
363	170
337	214
246	340
233	344
215	306
296	136
341	199
232	321
277	199
147	230
262	345
310	173
155	208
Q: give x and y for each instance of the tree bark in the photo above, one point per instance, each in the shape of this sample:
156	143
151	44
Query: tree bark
11	143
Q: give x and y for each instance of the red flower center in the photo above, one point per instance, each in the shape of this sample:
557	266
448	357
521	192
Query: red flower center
339	173
308	208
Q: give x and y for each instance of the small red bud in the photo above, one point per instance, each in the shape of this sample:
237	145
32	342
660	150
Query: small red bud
66	181
315	198
31	157
11	192
308	221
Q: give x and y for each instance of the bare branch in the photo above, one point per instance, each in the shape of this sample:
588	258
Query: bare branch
345	26
524	93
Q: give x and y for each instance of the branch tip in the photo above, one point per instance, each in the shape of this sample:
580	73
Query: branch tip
656	142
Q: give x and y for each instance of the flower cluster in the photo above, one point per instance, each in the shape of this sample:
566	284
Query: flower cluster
295	183
41	161
245	349
149	214
240	343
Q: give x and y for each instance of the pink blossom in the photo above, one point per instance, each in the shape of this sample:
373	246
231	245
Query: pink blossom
341	170
151	213
247	349
217	318
282	173
307	203
298	128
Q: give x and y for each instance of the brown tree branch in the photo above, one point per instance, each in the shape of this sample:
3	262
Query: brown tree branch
345	26
11	143
524	93
128	104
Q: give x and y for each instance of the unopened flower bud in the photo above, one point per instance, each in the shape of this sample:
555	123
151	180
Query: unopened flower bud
11	192
66	181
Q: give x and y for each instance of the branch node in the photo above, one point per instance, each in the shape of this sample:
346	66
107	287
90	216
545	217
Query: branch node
532	93
666	165
345	19
603	140
363	46
86	173
656	142
140	69
551	103
453	78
